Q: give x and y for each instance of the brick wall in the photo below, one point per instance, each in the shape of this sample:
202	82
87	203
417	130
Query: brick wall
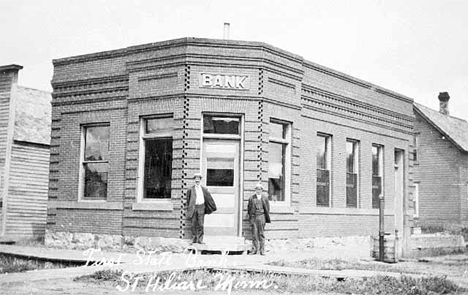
122	86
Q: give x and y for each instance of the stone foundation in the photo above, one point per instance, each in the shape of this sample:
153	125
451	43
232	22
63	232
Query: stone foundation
83	241
435	244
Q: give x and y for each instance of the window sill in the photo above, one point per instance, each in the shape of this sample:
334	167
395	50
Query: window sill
86	204
343	211
159	205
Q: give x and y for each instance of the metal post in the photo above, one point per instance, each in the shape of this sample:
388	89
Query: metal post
381	228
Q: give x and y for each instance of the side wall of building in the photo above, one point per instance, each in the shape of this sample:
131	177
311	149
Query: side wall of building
27	194
438	173
348	109
8	89
86	93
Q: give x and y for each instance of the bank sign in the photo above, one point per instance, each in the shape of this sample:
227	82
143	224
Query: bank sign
223	81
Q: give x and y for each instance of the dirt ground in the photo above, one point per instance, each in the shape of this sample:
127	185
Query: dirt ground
455	267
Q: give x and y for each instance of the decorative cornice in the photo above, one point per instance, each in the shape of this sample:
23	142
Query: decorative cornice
157	67
340	76
88	101
107	90
96	110
373	121
281	83
355	81
90	81
156	97
158	77
353	103
210	60
280	103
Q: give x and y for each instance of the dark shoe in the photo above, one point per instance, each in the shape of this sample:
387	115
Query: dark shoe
262	253
253	253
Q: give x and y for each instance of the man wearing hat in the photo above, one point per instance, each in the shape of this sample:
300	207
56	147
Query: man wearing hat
258	211
200	203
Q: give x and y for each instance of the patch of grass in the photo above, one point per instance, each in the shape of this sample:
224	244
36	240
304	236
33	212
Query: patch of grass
291	283
12	264
107	275
9	264
339	264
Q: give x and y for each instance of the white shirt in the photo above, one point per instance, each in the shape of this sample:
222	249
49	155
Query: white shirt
200	198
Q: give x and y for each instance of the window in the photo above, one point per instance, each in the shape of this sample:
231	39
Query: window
323	156
221	125
416	200
416	148
377	174
278	161
352	172
156	146
95	162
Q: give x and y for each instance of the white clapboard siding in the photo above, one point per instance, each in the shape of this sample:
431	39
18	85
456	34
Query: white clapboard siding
5	88
27	195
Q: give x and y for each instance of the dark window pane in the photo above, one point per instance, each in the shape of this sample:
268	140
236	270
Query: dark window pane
159	125
323	187
97	143
376	190
276	171
95	180
351	190
158	168
277	130
220	177
221	125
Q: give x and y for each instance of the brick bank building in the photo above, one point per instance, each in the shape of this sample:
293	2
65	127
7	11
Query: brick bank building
130	127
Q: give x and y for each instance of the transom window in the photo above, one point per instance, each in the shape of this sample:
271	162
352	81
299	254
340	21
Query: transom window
323	157
221	125
156	155
95	162
278	160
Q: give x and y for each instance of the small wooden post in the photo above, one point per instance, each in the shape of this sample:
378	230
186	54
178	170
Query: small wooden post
381	228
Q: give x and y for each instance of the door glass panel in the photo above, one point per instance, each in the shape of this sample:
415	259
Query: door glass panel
220	177
220	172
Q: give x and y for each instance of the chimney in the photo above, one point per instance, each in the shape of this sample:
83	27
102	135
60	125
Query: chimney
443	103
226	31
9	73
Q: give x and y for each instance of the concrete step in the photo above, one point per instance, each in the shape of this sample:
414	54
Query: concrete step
223	244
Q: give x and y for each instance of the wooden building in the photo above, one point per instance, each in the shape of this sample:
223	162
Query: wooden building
24	156
130	127
440	167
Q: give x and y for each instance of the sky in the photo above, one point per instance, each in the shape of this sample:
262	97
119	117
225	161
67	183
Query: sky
417	48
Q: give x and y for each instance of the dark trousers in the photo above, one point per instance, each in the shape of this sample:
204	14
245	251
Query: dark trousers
258	228
198	221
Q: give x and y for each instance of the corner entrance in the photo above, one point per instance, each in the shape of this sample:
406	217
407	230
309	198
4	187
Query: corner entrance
220	169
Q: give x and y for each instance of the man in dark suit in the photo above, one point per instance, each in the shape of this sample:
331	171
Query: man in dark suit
258	210
200	203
